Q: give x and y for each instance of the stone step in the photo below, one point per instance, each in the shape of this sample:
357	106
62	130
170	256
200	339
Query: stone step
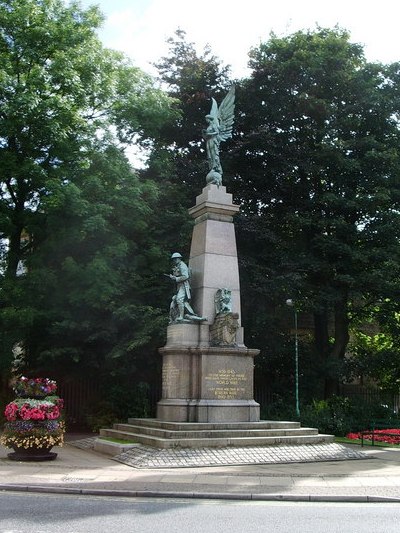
189	426
212	433
158	442
302	436
112	448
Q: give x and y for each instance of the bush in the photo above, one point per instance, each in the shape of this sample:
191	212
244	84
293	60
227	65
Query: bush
279	409
329	416
338	415
119	404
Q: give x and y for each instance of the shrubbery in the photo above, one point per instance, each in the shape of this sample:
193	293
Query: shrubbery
338	415
119	404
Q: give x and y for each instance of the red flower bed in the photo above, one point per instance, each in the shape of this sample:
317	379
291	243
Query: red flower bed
379	436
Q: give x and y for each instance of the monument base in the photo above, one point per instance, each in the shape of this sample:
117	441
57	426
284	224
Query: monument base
208	411
224	411
206	383
173	410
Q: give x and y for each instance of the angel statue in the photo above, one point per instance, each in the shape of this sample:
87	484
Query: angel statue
219	128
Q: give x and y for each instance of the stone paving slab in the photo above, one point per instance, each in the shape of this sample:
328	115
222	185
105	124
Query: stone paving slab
84	444
148	457
84	471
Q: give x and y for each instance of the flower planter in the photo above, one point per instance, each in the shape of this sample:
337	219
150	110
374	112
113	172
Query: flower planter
34	423
32	454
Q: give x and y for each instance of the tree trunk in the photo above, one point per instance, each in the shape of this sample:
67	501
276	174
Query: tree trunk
338	350
321	334
14	251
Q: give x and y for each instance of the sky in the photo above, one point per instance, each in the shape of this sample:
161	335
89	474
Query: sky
140	27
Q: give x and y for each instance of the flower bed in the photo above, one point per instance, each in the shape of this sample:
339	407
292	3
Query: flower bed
378	435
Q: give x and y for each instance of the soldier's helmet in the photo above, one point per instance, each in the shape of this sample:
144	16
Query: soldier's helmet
175	255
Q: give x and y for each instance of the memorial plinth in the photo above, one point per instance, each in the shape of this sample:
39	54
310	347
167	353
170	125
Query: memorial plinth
202	381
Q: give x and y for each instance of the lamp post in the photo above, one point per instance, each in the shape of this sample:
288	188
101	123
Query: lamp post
291	303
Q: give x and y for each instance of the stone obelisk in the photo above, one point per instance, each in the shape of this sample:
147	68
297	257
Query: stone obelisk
207	370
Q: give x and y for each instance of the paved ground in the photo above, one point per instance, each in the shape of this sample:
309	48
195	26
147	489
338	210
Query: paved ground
80	470
141	456
147	457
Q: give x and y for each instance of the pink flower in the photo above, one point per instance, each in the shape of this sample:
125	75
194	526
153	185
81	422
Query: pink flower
37	414
11	411
25	412
53	413
31	413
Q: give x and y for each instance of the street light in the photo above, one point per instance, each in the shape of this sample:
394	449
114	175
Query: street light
291	303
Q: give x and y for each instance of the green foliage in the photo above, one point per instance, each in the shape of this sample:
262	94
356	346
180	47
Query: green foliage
317	161
314	164
338	415
275	365
120	402
278	409
118	441
78	222
98	307
332	416
375	353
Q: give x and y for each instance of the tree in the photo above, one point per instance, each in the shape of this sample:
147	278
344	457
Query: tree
102	266
318	179
72	213
374	347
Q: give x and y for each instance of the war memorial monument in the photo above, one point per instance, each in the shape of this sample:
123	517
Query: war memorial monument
207	371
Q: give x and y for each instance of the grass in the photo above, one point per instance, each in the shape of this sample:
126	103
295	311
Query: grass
119	441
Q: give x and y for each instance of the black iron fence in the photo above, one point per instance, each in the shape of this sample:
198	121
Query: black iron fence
81	396
371	396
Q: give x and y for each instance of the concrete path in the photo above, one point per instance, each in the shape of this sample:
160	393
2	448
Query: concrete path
83	471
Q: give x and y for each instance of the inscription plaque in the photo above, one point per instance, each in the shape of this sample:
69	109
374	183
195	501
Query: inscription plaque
170	376
226	384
